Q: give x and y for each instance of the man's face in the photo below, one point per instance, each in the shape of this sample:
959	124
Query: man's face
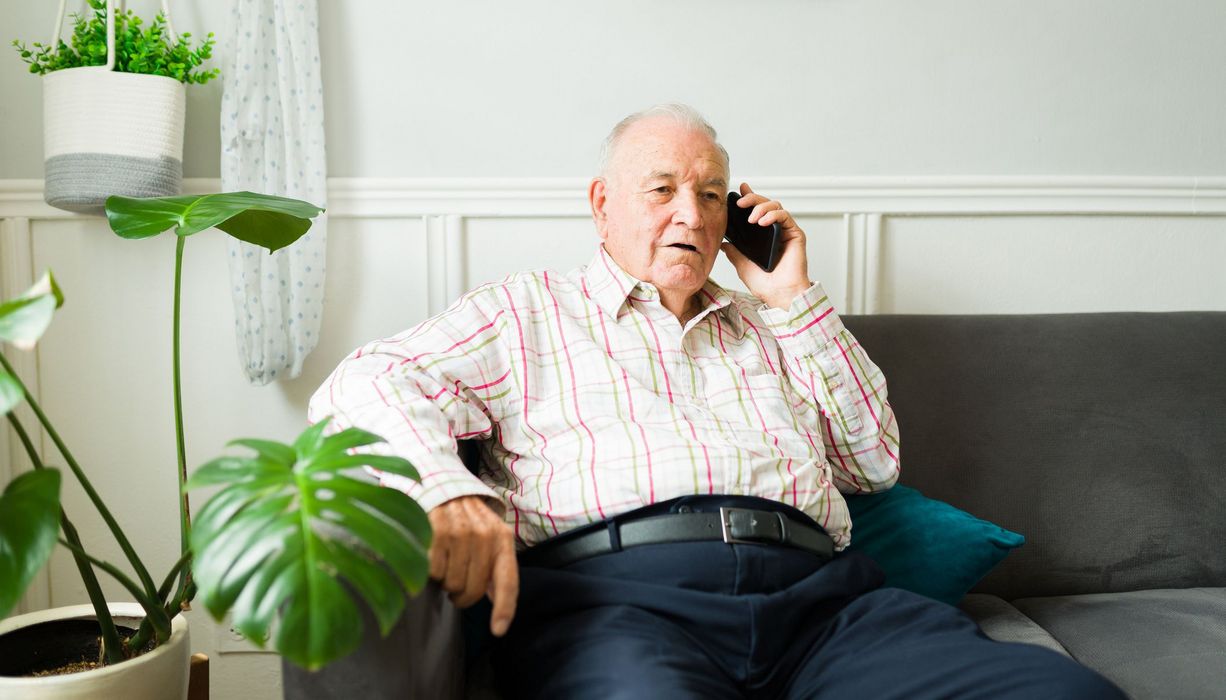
660	208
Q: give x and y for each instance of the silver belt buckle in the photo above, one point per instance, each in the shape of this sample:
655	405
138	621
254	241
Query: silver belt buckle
725	523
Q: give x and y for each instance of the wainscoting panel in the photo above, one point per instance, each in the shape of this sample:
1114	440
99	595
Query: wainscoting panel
378	284
500	246
1039	264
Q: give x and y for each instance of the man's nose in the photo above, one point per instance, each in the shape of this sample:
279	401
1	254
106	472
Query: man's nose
688	210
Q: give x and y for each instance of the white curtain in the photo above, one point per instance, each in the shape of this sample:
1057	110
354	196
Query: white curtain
272	142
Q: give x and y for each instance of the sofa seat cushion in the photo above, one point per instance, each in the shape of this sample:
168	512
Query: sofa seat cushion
1165	643
1001	621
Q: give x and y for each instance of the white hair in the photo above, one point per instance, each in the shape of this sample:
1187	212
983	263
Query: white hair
684	115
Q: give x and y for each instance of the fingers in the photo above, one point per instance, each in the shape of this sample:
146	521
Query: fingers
774	216
456	576
473	552
734	255
740	262
438	551
472	587
462	566
748	197
450	534
504	590
762	208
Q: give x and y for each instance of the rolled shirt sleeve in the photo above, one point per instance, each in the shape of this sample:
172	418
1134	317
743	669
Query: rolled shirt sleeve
421	391
829	370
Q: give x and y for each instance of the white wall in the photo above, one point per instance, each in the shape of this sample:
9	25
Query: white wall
797	87
1025	157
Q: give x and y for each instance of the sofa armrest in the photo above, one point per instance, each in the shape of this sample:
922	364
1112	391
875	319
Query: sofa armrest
422	657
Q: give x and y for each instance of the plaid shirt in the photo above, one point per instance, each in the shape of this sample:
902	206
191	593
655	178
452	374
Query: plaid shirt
598	401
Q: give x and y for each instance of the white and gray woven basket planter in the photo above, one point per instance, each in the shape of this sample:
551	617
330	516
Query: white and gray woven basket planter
106	133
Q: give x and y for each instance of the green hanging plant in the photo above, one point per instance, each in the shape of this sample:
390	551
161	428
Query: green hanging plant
139	48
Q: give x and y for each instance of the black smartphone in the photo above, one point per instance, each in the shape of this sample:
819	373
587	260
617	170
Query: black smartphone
761	244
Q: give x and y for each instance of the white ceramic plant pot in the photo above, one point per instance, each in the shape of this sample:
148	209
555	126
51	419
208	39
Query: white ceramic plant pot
161	674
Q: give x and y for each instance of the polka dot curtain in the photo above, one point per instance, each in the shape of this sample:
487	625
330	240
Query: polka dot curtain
272	142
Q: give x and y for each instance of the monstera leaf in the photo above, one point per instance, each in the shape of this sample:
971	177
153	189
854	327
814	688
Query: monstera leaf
289	524
265	220
10	392
29	519
22	322
24	319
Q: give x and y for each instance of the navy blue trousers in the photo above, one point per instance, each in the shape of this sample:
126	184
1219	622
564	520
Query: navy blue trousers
712	620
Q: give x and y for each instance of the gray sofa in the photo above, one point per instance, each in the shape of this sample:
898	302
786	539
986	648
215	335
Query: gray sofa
1100	437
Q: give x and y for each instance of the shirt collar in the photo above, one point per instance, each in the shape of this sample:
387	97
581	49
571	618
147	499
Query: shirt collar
609	286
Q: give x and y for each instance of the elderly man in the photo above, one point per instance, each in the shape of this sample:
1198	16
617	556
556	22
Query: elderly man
661	513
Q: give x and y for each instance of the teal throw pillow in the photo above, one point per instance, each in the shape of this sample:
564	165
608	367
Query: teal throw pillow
924	545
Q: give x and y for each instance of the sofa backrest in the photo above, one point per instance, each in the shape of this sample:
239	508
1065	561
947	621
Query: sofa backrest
1100	437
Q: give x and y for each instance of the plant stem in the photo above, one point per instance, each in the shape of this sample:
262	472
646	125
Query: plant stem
185	515
164	589
153	608
111	523
185	590
110	636
173	607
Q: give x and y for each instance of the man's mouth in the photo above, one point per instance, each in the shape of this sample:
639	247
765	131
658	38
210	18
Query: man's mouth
683	246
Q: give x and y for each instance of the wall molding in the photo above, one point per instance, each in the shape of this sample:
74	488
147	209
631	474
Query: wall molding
863	234
445	250
834	196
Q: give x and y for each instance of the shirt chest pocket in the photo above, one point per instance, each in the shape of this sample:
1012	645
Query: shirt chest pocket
748	390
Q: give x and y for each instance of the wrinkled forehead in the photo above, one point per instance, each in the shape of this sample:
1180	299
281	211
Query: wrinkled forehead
662	146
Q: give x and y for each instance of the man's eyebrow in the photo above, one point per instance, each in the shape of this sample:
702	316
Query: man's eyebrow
666	175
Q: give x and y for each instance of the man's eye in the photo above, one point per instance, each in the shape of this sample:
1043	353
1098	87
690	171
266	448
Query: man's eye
662	189
711	196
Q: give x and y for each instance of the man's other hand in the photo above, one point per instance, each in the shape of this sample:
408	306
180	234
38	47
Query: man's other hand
473	554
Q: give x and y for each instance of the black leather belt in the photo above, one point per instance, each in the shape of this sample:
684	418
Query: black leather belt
732	525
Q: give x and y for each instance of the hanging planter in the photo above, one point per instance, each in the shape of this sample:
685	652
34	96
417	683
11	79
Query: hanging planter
108	133
114	127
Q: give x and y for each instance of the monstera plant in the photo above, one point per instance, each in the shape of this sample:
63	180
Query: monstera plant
285	525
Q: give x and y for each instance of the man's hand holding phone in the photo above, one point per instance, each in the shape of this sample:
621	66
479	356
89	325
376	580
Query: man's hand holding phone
790	274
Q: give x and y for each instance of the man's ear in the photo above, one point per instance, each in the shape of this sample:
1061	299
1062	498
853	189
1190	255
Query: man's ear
597	197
